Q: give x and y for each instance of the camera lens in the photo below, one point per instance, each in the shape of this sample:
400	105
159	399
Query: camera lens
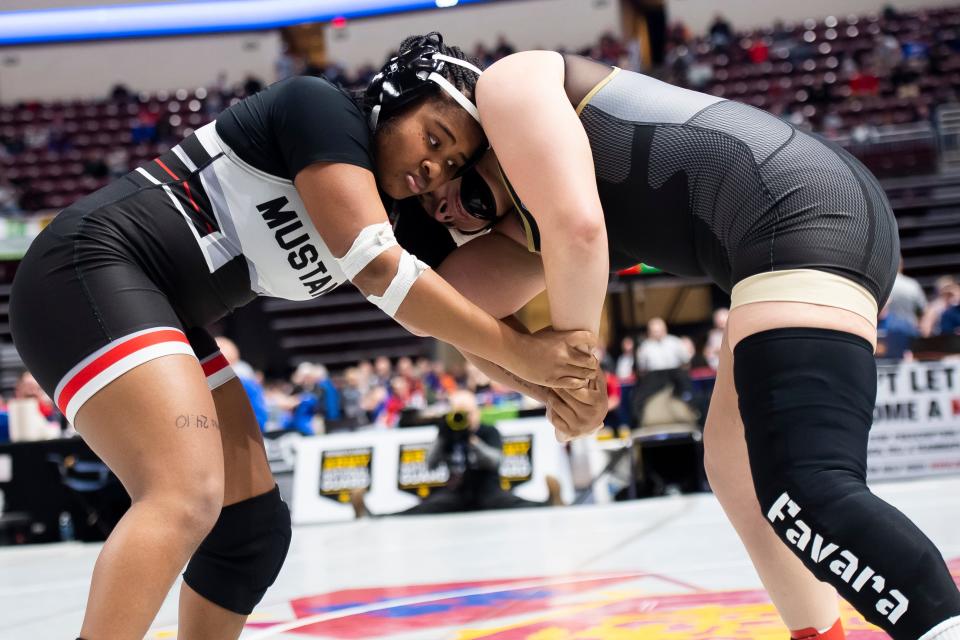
457	420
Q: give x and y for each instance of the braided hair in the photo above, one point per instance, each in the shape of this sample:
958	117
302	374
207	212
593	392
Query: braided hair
461	78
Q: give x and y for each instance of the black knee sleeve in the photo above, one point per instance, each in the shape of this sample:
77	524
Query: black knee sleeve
806	398
241	556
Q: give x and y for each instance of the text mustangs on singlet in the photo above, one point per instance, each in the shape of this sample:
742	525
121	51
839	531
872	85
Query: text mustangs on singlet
302	253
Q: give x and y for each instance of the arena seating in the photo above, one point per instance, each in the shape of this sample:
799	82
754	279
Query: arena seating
928	215
339	329
812	55
52	178
90	129
802	72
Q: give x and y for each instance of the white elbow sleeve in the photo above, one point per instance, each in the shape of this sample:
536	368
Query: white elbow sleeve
370	243
408	271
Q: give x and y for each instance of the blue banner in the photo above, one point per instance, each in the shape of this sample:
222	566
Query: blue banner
206	16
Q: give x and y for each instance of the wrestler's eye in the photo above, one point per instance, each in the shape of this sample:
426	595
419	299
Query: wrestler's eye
451	164
434	142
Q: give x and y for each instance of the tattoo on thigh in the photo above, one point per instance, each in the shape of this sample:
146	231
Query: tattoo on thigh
197	421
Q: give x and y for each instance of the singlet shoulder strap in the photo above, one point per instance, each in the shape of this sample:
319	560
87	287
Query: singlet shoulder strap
596	89
530	227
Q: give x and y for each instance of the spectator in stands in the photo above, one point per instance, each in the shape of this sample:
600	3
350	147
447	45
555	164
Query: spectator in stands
351	397
317	402
476	380
9	198
406	370
95	167
503	48
626	368
661	361
721	34
611	49
373	391
661	351
614	417
782	41
895	334
948	295
58	138
36	138
678	34
4	425
382	371
864	82
252	85
365	375
483	54
120	93
907	300
914	66
247	378
326	392
399	398
711	349
950	320
472	452
27	387
699	74
144	128
288	64
678	61
31	198
447	380
758	50
626	374
832	123
118	162
887	53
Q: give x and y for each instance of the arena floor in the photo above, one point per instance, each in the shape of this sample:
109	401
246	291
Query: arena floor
652	569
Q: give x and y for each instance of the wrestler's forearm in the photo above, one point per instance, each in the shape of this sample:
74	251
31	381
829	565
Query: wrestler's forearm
576	267
501	376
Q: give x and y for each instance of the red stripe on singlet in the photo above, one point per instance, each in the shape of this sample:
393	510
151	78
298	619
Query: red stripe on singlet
166	168
112	356
214	364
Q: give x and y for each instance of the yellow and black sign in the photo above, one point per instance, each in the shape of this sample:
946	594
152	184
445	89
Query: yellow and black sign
344	470
414	476
517	465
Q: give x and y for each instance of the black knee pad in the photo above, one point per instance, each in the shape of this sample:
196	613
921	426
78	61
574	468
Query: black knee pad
241	556
806	398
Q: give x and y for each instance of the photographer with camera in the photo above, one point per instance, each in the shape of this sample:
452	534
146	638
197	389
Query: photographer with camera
472	451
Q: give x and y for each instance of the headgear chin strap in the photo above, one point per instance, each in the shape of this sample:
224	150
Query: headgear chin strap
410	75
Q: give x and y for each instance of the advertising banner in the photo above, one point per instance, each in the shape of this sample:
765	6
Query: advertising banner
916	422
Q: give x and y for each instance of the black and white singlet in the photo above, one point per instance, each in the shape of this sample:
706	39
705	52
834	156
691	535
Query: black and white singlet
697	185
135	270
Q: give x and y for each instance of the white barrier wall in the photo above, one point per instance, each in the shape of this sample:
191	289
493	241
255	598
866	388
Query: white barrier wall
916	433
391	465
698	15
91	69
527	24
86	70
